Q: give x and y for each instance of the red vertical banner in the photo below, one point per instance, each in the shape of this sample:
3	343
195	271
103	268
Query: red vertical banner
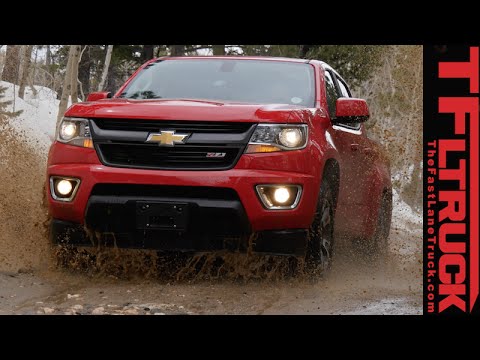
451	243
474	217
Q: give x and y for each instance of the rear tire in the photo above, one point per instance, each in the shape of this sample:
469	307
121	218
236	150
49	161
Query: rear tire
320	241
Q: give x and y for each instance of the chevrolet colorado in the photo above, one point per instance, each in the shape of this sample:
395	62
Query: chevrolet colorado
200	153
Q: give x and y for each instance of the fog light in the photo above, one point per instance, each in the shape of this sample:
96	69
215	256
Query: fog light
63	189
279	197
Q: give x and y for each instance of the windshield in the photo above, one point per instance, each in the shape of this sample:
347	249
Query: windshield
228	80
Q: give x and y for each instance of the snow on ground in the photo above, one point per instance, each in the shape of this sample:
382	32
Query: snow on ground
36	123
390	306
407	221
402	212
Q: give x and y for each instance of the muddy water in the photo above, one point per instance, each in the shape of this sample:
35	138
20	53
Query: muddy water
352	288
355	286
34	279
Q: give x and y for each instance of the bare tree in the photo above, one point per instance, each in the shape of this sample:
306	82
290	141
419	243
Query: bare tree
74	74
11	67
83	78
48	58
177	50
27	60
85	68
72	63
108	57
304	49
31	83
147	52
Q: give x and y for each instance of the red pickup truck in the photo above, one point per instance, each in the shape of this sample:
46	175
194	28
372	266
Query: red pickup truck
207	153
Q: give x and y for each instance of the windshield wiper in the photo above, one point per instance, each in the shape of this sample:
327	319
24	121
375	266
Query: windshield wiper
201	101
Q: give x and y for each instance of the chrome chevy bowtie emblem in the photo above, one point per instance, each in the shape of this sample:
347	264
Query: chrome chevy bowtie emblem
167	138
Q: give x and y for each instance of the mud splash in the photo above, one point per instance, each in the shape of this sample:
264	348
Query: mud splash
23	215
220	266
176	267
105	262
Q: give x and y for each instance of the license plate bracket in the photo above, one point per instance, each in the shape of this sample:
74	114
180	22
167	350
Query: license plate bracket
161	215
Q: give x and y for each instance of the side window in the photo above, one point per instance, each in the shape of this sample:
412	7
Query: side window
332	94
343	88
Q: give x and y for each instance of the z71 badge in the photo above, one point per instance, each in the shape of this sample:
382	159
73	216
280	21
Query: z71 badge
215	155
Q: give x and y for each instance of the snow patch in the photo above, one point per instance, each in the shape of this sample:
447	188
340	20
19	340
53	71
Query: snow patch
36	124
404	214
406	221
393	306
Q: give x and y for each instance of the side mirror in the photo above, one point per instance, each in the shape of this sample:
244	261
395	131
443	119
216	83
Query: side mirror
350	110
99	96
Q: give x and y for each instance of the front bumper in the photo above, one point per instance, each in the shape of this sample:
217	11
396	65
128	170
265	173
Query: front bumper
242	181
235	216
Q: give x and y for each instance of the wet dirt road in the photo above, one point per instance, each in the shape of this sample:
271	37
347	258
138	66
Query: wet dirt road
353	287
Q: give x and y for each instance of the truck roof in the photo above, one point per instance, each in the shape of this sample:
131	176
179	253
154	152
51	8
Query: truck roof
237	57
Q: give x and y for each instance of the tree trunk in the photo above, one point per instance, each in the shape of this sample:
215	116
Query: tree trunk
11	67
34	73
84	69
304	49
218	50
147	52
74	74
177	50
27	60
108	57
67	85
112	79
48	58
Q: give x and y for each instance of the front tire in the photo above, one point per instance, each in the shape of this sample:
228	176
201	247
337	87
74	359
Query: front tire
377	246
384	223
319	254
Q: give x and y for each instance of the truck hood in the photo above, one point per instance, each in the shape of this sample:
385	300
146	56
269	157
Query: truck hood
193	110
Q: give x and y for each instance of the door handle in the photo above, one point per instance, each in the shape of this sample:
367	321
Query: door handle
355	147
368	151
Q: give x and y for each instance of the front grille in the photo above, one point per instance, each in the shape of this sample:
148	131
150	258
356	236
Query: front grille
180	126
178	157
210	146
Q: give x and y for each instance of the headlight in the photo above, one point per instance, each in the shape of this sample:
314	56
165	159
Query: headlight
68	130
278	137
291	138
74	131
